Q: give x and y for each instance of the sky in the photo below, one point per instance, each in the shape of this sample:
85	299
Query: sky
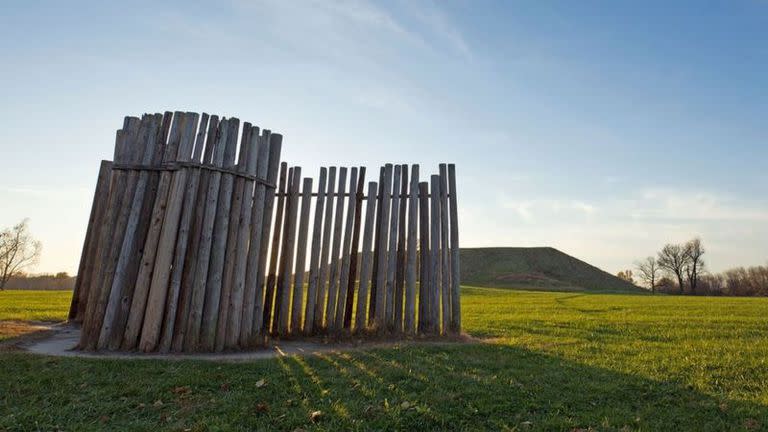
604	129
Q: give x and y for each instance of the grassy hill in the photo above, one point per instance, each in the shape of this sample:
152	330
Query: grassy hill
538	268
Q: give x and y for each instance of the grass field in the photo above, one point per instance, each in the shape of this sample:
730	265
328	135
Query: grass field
551	361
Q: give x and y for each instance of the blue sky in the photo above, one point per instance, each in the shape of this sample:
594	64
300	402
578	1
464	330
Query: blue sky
604	129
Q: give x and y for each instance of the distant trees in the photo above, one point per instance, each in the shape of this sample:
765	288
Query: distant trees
680	268
695	265
626	275
649	272
18	250
673	258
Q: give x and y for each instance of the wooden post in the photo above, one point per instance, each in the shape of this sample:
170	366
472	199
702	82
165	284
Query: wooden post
273	317
154	206
445	286
301	257
392	250
353	259
314	255
381	258
269	293
243	328
284	297
376	248
185	234
365	266
190	261
424	259
346	251
121	292
325	251
400	273
153	318
247	151
275	146
197	303
333	278
215	280
125	152
410	267
455	265
235	308
88	255
434	258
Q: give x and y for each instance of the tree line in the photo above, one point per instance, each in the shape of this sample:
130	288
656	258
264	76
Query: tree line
679	268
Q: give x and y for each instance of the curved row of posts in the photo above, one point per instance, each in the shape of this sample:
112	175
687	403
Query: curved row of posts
201	239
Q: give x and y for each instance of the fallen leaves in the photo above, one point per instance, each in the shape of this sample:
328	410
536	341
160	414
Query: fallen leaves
182	390
315	416
260	383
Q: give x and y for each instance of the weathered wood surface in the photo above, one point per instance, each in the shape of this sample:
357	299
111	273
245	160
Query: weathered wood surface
366	265
161	274
346	250
141	287
98	296
122	283
380	312
241	315
454	244
434	255
410	266
445	265
297	301
186	232
199	291
234	231
254	335
314	254
335	262
376	248
325	251
353	258
284	291
266	316
275	251
193	250
215	280
392	249
88	255
424	259
401	246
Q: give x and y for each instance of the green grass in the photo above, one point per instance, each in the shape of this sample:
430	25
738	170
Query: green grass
537	268
556	361
34	305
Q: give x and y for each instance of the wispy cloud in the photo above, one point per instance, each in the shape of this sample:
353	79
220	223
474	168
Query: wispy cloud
432	17
681	204
546	209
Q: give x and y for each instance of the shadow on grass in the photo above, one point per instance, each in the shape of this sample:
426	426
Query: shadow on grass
415	387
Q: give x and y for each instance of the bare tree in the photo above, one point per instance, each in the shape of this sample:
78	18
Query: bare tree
649	271
626	275
695	250
17	250
674	259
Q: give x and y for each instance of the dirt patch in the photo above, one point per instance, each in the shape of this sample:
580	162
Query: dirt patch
61	341
15	333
